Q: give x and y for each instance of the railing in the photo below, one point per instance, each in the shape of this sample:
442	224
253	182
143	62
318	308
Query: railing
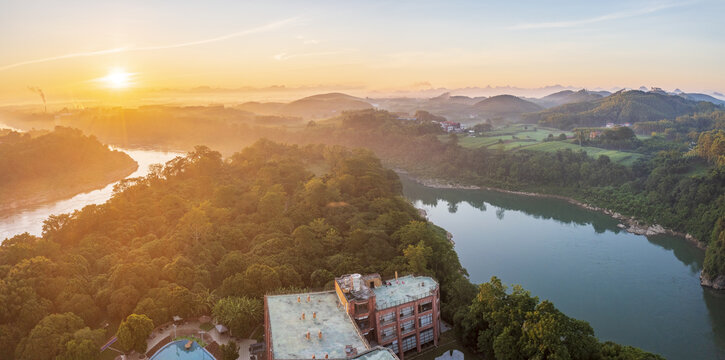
387	320
387	337
388	304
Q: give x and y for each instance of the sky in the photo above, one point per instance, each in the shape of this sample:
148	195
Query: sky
73	48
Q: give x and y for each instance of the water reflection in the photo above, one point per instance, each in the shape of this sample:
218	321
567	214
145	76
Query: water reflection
540	208
636	290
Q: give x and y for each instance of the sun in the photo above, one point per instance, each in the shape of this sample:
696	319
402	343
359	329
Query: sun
117	78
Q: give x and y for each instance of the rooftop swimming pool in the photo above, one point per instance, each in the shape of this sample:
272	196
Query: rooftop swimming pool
175	351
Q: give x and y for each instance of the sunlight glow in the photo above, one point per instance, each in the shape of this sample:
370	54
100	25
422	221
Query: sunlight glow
117	78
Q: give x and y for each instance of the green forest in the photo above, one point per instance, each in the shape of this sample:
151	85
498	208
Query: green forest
48	165
202	235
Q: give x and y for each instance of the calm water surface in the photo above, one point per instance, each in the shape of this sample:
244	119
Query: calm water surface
632	289
31	219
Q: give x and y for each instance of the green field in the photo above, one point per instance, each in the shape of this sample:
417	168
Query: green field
516	137
622	157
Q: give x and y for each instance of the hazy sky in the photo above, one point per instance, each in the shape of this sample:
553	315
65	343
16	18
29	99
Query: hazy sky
62	46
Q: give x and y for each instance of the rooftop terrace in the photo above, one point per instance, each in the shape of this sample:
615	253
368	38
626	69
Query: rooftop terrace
405	289
289	331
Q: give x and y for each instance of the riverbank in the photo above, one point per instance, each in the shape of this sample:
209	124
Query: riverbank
626	223
18	198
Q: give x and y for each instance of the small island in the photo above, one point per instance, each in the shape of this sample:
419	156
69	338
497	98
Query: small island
42	166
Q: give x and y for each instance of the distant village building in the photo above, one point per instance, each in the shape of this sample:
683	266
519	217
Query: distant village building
363	318
613	125
451	126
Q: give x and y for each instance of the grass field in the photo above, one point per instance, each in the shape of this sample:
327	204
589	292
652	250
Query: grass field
530	137
621	157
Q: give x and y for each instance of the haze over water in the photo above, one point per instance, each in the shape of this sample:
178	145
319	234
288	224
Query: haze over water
632	289
31	219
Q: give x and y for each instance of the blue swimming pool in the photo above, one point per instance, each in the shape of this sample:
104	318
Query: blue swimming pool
175	351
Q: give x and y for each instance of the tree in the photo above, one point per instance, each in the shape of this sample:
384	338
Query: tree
84	345
239	314
483	127
230	351
260	279
133	333
49	337
417	257
320	277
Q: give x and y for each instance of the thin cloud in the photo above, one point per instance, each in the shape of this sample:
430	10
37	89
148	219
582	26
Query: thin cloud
607	17
264	28
285	56
66	56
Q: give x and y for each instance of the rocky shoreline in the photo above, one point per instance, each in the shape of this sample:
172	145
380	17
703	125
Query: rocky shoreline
626	223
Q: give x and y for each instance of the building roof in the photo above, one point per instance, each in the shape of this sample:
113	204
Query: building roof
378	353
405	289
288	330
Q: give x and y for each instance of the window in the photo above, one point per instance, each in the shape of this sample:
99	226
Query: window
388	333
409	343
407	326
426	336
425	307
393	346
387	318
407	311
425	320
362	324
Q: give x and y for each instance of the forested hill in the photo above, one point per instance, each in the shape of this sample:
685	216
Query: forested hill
622	107
39	168
202	234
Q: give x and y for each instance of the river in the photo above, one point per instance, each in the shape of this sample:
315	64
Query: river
31	219
634	290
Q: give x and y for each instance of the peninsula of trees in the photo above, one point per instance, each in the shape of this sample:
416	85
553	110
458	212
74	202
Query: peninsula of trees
43	166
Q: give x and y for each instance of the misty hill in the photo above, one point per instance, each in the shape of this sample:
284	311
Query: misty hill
622	107
508	107
311	107
453	107
323	105
447	98
603	93
702	97
269	108
566	97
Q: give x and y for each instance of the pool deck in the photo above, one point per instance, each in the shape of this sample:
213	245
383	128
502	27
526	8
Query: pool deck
405	289
289	331
192	328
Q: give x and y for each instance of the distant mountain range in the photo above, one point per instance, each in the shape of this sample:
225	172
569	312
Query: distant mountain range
621	107
562	108
569	96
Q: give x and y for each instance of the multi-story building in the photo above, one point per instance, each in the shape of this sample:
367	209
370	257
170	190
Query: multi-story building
354	321
402	314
